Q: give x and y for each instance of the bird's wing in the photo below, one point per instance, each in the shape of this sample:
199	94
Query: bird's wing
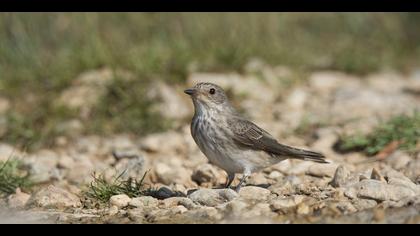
249	135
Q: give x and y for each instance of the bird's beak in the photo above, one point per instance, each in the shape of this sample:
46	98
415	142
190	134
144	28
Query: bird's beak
190	91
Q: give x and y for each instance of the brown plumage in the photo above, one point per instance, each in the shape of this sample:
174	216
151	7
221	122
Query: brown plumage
232	142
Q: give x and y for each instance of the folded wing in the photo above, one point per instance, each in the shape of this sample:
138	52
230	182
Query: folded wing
249	135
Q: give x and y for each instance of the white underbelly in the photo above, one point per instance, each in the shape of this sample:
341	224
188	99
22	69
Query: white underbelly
241	161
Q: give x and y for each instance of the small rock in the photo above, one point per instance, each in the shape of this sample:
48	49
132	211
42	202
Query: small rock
168	174
205	173
289	202
177	210
18	200
81	172
164	192
43	166
398	160
120	200
212	197
404	183
362	204
207	214
166	142
303	209
282	188
176	201
275	175
258	179
136	215
408	201
341	177
54	198
132	168
65	162
235	207
254	193
113	210
377	176
258	210
125	153
322	170
180	189
346	207
412	170
145	201
376	190
299	168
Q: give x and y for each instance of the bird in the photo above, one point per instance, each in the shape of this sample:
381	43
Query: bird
232	142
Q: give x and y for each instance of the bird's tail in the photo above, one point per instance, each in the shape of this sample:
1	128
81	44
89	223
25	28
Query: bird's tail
302	154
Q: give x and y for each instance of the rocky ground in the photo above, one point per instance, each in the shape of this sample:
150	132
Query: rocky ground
353	188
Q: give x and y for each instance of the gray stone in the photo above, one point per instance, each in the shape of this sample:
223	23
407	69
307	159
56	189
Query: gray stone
288	202
362	204
398	160
113	210
322	170
166	142
412	170
43	166
234	208
377	190
54	198
258	179
377	176
145	201
202	214
212	197
205	173
341	177
132	168
164	192
258	210
167	174
136	215
179	201
120	200
18	199
346	207
254	193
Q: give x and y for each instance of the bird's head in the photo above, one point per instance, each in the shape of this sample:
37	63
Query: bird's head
208	95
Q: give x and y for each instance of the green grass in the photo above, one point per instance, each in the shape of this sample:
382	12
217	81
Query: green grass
42	53
405	129
11	177
102	190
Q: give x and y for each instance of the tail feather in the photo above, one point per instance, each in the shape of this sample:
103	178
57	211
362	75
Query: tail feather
302	154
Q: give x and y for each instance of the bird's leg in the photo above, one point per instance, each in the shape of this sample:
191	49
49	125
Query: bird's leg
244	177
230	178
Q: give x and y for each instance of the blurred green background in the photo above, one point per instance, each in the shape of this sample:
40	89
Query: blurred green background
42	53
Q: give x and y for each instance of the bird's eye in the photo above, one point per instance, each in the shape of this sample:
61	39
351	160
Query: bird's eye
212	91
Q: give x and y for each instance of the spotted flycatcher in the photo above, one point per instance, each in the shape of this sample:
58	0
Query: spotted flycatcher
233	143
